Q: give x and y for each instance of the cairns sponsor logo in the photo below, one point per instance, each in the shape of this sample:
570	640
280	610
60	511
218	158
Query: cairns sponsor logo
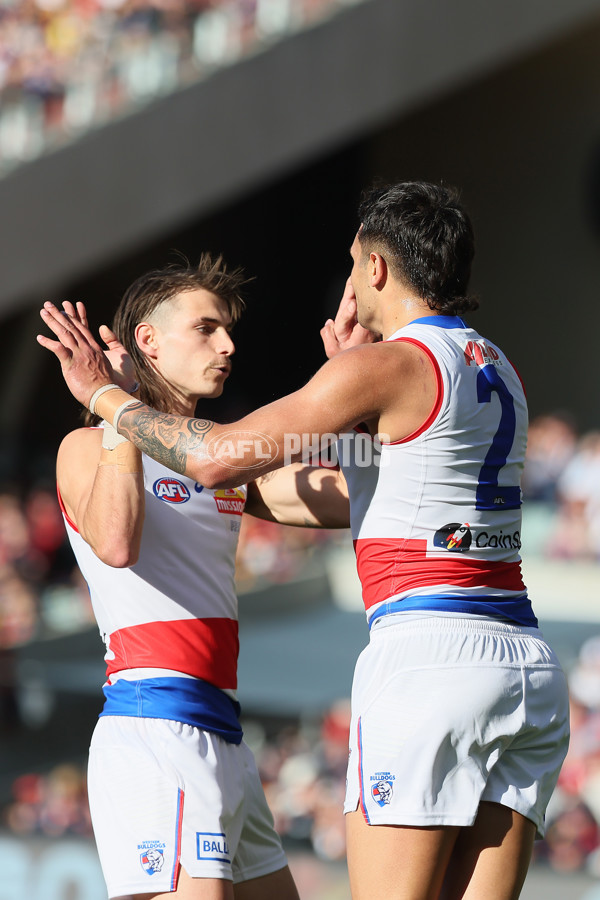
152	856
455	537
212	845
499	539
171	490
383	787
242	449
230	501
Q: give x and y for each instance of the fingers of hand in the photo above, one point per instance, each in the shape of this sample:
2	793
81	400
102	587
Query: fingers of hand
58	322
108	335
55	347
348	291
76	311
69	331
330	340
82	313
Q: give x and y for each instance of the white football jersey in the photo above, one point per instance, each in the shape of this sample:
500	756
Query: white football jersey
436	517
176	608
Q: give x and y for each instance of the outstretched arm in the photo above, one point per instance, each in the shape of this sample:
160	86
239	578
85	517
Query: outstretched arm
302	495
372	383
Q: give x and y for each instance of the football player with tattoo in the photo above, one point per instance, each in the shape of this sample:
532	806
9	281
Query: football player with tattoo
176	800
459	706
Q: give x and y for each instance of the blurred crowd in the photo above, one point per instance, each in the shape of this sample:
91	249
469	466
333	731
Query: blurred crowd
561	487
572	839
69	65
41	589
303	765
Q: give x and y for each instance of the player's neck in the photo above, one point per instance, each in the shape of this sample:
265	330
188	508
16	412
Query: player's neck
183	405
401	312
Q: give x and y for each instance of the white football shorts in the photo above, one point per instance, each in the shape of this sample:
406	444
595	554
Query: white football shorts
448	711
164	794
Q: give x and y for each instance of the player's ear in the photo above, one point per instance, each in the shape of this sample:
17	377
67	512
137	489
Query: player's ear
377	270
147	339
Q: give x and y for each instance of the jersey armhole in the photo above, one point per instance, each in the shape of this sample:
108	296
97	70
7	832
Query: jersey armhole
64	511
439	394
518	374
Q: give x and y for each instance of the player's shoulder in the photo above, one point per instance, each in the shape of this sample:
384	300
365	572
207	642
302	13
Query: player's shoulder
79	443
381	366
381	353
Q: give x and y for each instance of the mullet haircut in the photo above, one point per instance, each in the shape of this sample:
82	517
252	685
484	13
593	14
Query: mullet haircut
426	238
149	292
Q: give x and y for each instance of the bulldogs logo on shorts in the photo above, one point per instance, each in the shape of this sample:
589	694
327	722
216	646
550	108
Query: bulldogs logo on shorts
152	858
381	792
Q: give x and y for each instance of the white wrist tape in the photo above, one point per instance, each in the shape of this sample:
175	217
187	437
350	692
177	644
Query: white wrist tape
98	393
111	437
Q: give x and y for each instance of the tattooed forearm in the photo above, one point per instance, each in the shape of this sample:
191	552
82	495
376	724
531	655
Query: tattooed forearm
170	440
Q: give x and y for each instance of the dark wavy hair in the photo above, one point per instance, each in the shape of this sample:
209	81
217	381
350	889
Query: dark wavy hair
426	238
154	288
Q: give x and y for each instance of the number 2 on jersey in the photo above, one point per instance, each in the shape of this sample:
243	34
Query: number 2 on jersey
489	494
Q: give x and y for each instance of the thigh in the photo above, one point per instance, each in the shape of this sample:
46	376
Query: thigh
490	859
392	862
192	889
276	886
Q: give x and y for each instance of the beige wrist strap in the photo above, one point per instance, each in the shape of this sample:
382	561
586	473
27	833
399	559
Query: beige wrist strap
98	393
110	404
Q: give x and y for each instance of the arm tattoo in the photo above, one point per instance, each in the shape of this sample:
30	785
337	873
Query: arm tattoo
168	439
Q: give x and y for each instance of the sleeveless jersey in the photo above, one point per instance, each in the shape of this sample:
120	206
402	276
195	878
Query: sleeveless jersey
436	517
173	613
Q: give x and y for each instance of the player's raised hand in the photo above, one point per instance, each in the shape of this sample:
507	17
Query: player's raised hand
84	365
117	355
76	311
344	331
120	360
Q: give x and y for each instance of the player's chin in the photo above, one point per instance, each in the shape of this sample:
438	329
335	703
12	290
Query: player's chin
214	391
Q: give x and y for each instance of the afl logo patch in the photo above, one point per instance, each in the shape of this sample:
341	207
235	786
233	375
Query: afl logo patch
453	537
171	490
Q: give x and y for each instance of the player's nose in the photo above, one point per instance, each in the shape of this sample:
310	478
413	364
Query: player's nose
224	343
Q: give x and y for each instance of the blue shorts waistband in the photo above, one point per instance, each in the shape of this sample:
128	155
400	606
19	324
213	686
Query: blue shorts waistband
508	609
187	700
